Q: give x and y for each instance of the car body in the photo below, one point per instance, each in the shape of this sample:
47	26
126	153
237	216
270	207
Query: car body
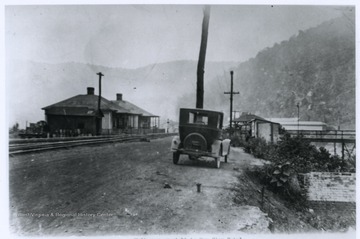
200	135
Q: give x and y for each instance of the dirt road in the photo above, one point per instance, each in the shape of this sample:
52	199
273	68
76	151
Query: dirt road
118	189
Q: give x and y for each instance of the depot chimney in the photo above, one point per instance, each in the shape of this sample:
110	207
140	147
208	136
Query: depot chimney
119	97
90	90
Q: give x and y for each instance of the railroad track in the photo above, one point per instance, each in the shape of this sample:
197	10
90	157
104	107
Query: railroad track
30	146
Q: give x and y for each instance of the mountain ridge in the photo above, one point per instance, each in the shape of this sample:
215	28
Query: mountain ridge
315	68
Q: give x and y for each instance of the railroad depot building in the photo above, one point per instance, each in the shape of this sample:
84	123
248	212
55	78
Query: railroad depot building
80	115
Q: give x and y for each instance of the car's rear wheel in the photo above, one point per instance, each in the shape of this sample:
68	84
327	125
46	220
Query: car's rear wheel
176	156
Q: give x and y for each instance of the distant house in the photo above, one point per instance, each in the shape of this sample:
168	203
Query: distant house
291	124
242	123
80	115
251	125
246	117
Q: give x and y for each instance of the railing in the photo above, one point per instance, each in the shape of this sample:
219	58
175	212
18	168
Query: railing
328	134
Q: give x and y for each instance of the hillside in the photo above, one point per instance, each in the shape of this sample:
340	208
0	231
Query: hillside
315	68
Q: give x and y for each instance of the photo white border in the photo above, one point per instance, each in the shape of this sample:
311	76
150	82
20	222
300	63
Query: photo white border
4	167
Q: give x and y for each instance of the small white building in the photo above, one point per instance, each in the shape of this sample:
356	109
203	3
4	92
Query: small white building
251	125
268	130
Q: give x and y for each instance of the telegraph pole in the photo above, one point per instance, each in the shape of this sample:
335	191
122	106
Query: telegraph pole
231	100
100	75
298	111
99	113
167	128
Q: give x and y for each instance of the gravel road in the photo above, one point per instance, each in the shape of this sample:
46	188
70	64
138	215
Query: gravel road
127	189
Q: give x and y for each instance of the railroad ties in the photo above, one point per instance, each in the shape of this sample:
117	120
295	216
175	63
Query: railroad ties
38	145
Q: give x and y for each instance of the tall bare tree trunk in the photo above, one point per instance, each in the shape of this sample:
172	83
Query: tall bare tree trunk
201	62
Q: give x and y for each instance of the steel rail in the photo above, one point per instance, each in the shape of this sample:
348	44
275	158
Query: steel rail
41	146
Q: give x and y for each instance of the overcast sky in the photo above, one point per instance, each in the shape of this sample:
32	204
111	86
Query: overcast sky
131	36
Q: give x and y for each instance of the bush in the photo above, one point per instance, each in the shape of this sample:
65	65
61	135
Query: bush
280	179
257	147
236	141
260	148
291	156
303	156
300	154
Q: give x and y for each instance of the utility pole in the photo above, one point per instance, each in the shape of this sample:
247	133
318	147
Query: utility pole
231	100
100	75
167	128
201	62
298	109
99	113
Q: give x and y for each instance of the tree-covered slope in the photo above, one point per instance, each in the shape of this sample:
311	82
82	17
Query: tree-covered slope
315	68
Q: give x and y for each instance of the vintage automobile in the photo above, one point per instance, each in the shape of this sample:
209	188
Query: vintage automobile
200	135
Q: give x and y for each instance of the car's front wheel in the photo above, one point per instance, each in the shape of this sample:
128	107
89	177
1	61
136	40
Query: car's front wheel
217	162
227	155
176	156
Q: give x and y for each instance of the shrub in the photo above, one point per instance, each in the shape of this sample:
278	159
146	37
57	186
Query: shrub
300	154
236	141
291	156
257	147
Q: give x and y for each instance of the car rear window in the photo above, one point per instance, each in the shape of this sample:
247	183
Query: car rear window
198	119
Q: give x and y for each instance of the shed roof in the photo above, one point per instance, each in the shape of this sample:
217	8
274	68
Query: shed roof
246	117
264	120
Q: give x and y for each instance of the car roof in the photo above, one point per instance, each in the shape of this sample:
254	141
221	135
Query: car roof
201	110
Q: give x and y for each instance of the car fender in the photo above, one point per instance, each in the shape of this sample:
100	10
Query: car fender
215	147
226	146
175	143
